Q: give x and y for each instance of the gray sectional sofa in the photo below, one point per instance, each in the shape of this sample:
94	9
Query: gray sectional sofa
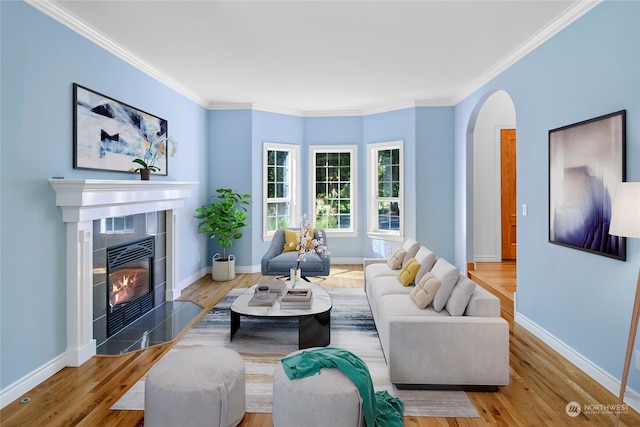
458	340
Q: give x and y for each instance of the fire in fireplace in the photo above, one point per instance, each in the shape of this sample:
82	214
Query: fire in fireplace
129	282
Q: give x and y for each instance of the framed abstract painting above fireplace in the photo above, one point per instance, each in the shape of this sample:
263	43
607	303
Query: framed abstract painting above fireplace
586	162
109	134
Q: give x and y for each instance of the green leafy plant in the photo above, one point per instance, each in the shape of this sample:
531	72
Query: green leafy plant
224	218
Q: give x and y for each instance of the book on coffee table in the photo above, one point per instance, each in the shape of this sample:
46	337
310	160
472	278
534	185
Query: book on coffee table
275	285
296	298
297	295
267	301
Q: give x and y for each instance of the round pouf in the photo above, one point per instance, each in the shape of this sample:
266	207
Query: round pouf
327	399
200	386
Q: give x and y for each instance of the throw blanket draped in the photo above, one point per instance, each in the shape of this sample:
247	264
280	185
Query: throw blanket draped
380	408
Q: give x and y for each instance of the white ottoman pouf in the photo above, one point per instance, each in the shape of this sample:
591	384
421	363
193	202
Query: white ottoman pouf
327	399
200	386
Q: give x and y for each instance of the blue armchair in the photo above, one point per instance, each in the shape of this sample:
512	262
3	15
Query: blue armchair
278	263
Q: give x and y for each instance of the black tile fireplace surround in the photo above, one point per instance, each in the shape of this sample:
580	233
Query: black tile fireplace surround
166	319
113	232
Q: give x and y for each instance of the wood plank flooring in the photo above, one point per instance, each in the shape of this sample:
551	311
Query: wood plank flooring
541	385
499	278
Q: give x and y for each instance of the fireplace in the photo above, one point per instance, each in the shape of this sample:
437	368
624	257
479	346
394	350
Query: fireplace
84	201
129	282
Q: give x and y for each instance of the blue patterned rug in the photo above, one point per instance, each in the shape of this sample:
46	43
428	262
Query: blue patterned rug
263	342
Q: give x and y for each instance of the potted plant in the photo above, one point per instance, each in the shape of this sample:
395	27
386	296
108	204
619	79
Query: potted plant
157	145
223	219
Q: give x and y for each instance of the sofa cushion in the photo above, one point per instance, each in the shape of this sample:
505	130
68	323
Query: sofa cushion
408	272
460	295
426	259
378	269
411	246
448	276
395	262
425	290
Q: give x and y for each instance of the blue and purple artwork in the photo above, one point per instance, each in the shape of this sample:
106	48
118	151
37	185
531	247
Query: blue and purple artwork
586	162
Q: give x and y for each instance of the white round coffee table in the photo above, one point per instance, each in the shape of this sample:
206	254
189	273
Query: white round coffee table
314	324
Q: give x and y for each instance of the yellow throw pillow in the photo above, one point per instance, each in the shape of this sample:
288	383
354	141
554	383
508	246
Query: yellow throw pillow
408	272
290	240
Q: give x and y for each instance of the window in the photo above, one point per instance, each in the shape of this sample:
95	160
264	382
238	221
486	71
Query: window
385	195
333	188
280	180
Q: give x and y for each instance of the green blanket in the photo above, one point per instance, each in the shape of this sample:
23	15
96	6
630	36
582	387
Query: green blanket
380	408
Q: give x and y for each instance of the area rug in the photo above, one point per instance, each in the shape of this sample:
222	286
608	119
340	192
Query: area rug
263	342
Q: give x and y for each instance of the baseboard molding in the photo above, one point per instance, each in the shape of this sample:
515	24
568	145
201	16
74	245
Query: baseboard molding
31	380
632	398
258	268
487	258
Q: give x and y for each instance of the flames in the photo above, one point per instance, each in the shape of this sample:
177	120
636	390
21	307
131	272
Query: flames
123	289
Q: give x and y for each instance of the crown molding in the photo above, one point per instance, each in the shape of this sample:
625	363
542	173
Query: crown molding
573	13
71	21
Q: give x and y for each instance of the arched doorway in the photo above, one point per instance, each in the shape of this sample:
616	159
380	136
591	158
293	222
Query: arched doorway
494	211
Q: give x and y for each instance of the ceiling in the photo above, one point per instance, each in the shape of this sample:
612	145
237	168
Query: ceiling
319	56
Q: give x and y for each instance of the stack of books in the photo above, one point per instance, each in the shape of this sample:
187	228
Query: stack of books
297	299
275	285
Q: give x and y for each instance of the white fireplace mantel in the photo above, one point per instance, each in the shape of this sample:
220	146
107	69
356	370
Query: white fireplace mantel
89	199
83	201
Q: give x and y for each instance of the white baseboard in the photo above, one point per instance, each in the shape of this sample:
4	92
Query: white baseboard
632	398
31	380
339	261
487	258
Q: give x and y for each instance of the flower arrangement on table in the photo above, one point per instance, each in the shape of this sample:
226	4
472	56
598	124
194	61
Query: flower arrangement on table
306	241
156	144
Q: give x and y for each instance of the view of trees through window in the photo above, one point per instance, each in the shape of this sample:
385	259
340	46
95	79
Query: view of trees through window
333	190
389	189
278	189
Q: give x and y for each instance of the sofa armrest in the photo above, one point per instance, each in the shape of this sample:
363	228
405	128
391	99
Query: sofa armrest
368	261
460	350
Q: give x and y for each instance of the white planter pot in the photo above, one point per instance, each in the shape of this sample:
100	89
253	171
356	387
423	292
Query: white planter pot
223	270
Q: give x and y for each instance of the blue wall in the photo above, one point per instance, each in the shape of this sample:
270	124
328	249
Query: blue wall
589	69
41	59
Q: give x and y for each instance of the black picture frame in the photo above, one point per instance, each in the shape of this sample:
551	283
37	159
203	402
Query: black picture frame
587	160
109	134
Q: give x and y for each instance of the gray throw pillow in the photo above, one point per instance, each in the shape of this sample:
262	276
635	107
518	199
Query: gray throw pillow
448	276
426	259
460	295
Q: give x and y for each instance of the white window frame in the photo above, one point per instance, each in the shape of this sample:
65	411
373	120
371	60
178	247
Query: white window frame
372	192
294	185
353	151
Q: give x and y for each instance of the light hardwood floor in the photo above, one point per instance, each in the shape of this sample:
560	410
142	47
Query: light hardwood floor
541	384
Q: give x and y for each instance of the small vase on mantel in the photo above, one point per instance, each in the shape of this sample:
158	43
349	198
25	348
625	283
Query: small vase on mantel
145	174
294	277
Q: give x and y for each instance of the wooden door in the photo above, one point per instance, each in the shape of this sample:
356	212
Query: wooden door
508	193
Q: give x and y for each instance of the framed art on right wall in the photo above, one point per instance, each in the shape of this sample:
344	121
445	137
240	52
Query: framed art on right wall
586	163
